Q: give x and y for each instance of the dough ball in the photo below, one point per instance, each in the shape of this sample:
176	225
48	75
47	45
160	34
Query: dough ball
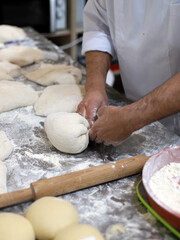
6	146
15	227
15	94
48	215
21	55
79	232
11	69
11	33
68	132
49	74
59	98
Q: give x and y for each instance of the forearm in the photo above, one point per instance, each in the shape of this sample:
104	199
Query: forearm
161	102
97	66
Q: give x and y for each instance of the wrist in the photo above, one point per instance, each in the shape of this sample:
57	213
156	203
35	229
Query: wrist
134	116
140	115
95	84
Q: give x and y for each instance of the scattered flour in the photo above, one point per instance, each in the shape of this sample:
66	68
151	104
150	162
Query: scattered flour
166	185
114	231
45	157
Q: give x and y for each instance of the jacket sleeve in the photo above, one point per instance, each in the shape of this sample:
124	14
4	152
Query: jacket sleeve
96	35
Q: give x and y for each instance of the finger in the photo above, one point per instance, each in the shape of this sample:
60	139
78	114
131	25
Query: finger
98	140
81	109
106	143
91	114
101	110
92	134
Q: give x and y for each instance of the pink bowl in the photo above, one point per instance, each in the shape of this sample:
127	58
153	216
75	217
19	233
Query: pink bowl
154	164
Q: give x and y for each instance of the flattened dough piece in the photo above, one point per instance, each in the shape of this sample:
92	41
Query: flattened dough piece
3	172
12	69
21	55
4	75
48	215
6	146
59	98
11	33
16	227
49	74
79	232
68	132
15	94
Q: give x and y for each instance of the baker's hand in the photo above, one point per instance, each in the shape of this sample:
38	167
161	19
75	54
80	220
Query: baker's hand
112	126
89	106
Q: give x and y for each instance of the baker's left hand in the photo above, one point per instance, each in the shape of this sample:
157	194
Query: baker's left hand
112	126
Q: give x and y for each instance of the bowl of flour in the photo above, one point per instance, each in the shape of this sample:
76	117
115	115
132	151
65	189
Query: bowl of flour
161	180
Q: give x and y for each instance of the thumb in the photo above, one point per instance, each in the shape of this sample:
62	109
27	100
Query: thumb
101	110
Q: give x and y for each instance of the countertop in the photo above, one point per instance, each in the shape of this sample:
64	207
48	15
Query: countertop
113	207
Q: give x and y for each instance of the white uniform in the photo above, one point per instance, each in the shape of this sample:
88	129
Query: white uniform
143	34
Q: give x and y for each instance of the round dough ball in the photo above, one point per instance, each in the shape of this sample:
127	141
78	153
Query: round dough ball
48	215
79	232
16	227
68	132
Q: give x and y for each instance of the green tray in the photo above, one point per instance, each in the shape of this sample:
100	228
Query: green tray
142	195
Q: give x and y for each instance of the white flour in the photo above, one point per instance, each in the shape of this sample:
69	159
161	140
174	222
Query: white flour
166	185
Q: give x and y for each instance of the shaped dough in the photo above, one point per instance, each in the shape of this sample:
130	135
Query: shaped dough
16	227
12	69
21	55
11	33
48	215
3	172
68	132
55	74
6	148
15	94
79	232
5	76
59	98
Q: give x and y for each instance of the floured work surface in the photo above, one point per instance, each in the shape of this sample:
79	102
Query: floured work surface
113	208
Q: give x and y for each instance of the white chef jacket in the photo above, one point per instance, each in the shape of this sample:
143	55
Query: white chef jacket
143	34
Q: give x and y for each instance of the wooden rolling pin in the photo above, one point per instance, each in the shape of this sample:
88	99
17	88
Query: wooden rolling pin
74	181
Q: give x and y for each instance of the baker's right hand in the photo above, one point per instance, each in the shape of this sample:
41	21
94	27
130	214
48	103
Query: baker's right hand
93	100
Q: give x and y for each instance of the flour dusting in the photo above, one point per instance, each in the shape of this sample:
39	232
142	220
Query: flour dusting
166	185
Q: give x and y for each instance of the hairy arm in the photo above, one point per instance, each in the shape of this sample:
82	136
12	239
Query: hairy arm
114	124
162	102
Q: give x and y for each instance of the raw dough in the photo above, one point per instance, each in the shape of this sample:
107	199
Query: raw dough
5	76
59	98
21	55
15	227
12	69
6	146
15	94
48	215
79	232
68	132
49	74
11	33
3	172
